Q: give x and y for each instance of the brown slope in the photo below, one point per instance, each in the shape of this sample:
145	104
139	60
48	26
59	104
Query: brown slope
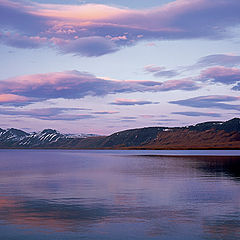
185	139
172	139
216	135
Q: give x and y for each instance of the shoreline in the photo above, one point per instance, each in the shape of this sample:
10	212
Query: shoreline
176	153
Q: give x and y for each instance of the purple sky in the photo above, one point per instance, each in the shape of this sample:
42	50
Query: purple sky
104	66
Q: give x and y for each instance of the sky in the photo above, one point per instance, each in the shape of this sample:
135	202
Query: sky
98	66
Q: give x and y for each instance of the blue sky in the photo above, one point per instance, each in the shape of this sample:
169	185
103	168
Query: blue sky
105	66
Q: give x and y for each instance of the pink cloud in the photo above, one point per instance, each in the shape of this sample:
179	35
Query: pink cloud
75	84
223	75
84	12
107	28
151	44
12	98
147	116
183	84
159	71
153	68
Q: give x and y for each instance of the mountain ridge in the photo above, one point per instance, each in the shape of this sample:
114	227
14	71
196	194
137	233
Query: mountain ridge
206	135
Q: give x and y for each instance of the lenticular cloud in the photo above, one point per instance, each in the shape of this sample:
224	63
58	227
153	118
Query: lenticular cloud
94	30
75	84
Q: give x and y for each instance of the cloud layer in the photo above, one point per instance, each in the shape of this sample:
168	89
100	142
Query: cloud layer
211	101
198	114
220	74
94	29
13	99
218	68
47	113
75	84
226	60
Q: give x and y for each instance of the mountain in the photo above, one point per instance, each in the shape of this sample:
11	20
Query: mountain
207	135
203	135
48	138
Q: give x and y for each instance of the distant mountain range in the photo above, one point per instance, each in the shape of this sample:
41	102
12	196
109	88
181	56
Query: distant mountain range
15	138
207	135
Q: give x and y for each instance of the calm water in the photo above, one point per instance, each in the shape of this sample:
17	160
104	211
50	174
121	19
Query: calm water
96	195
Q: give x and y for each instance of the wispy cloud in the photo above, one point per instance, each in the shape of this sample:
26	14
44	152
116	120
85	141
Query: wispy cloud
147	116
166	120
227	60
218	68
47	113
198	114
182	84
95	29
131	102
129	118
158	71
105	112
153	68
210	101
219	64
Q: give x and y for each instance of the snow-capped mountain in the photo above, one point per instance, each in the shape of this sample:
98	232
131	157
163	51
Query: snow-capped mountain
46	138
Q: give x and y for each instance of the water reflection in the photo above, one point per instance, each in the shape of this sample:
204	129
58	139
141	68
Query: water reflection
215	165
88	195
54	215
219	166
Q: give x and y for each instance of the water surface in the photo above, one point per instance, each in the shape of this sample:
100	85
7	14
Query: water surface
169	195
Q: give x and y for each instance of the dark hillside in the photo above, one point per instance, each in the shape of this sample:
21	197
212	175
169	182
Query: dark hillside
207	135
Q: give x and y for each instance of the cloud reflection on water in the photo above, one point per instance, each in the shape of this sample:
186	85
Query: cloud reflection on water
100	195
